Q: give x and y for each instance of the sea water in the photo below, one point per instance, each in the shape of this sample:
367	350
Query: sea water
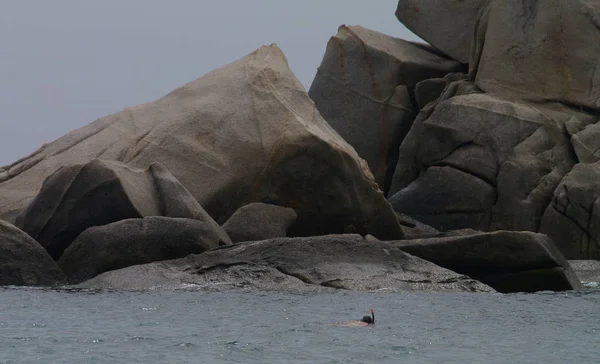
54	326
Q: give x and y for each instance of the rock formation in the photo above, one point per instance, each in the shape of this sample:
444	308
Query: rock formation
259	221
247	132
512	145
135	241
335	261
507	261
23	262
364	89
80	196
483	147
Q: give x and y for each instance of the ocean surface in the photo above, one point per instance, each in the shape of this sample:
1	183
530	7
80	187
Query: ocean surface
53	326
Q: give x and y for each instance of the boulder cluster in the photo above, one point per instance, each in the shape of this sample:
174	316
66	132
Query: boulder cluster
466	164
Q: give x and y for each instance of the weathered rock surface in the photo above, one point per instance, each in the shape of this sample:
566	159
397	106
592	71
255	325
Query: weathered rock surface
508	261
527	50
24	262
247	132
363	89
573	217
259	221
100	192
411	226
337	261
431	89
446	24
475	160
135	241
532	161
536	51
587	270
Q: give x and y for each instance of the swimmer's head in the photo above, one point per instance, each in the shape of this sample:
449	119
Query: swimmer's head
369	319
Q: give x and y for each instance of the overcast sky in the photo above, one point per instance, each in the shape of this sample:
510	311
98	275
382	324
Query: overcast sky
65	63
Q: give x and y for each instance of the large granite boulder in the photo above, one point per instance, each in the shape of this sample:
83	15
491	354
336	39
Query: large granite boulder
259	221
135	241
364	87
446	24
540	51
572	220
338	261
247	132
479	161
24	262
79	196
520	49
508	261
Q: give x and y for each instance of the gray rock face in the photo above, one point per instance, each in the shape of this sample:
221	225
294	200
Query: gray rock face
337	261
412	227
540	52
100	192
508	261
475	160
24	262
519	49
244	133
430	90
363	89
573	219
446	24
259	221
532	165
135	241
586	270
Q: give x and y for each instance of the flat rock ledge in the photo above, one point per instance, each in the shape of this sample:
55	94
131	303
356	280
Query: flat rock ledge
508	261
315	263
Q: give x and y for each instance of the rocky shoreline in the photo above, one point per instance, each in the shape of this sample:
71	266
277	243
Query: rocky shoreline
464	166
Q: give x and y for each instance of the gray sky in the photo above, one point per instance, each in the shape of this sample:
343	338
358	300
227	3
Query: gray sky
65	63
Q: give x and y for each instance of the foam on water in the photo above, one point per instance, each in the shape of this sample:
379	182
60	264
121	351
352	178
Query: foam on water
50	326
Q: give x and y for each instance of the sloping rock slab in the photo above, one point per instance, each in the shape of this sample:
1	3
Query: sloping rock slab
540	51
337	261
135	241
259	221
100	192
247	132
24	262
446	24
363	89
573	217
508	261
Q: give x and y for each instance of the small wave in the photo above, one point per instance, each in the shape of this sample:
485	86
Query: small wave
593	285
23	338
141	338
147	308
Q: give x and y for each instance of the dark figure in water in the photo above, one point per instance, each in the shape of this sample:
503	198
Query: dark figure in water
369	319
366	321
